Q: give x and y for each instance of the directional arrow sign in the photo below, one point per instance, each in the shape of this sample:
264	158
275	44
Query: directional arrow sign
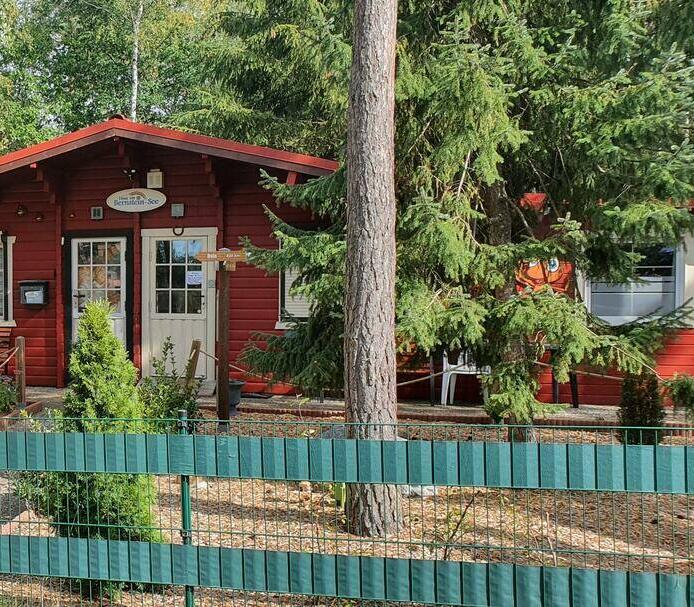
223	256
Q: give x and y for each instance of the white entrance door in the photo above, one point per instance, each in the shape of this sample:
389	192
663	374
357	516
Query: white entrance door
98	273
178	296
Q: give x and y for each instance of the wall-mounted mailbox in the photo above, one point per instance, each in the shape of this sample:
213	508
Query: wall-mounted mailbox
33	292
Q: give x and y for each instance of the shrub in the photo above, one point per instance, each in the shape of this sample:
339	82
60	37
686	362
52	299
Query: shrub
103	387
641	406
166	393
680	388
8	394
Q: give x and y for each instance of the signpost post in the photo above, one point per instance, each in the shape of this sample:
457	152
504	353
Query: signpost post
227	260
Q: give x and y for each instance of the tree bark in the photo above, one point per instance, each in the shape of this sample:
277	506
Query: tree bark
135	59
369	342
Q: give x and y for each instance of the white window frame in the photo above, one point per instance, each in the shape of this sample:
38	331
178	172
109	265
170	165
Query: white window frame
620	320
9	292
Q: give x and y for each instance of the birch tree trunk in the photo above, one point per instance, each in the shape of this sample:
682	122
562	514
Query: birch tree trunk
369	342
135	59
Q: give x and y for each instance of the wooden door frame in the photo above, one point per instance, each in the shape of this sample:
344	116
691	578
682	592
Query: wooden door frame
210	233
68	237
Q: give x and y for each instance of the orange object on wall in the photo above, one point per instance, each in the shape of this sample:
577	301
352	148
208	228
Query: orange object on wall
536	274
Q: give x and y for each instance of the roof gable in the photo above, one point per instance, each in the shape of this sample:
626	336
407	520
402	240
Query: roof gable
136	131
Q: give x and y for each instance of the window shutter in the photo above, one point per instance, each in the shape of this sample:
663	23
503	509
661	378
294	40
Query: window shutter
292	305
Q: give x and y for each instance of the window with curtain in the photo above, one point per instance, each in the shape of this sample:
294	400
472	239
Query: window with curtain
655	291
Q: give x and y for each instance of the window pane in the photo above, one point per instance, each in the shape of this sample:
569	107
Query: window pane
178	302
163	251
162	302
82	299
194	247
648	303
84	253
178	277
178	251
98	295
98	252
99	277
113	253
194	302
612	304
114	300
113	278
162	277
84	277
194	277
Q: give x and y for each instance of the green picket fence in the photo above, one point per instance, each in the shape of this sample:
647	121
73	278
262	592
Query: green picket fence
251	512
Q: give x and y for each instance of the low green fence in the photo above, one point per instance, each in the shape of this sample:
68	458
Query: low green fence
249	512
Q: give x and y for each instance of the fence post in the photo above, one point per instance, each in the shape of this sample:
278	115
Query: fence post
186	511
20	372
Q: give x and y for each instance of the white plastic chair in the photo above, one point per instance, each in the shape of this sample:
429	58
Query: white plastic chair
465	365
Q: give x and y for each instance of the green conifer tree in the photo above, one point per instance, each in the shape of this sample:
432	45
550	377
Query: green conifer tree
102	397
587	101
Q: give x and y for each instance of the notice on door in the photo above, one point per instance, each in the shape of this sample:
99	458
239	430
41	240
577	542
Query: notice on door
194	278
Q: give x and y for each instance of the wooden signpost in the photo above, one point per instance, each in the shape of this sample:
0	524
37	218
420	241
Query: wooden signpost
227	260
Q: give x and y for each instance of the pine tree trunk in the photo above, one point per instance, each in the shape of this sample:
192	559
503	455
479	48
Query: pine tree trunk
370	391
501	232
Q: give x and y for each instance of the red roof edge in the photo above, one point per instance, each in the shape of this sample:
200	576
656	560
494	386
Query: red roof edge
128	129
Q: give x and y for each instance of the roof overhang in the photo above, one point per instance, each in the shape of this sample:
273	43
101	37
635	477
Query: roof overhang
135	131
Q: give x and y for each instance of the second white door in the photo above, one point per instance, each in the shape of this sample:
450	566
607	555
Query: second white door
178	296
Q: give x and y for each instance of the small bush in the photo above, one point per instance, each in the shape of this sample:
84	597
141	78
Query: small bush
102	397
641	406
8	394
680	388
166	393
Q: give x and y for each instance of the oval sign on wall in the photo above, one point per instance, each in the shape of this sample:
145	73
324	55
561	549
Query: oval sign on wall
136	200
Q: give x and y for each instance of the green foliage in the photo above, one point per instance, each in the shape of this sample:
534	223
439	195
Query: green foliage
21	119
680	388
641	406
79	54
581	100
165	393
103	379
103	386
8	394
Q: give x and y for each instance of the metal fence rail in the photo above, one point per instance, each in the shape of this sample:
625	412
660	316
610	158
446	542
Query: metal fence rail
249	512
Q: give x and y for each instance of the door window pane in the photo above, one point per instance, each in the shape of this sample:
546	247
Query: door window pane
114	299
84	253
178	302
113	279
178	251
99	277
84	277
113	252
194	302
162	277
178	277
162	302
163	251
98	252
194	247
